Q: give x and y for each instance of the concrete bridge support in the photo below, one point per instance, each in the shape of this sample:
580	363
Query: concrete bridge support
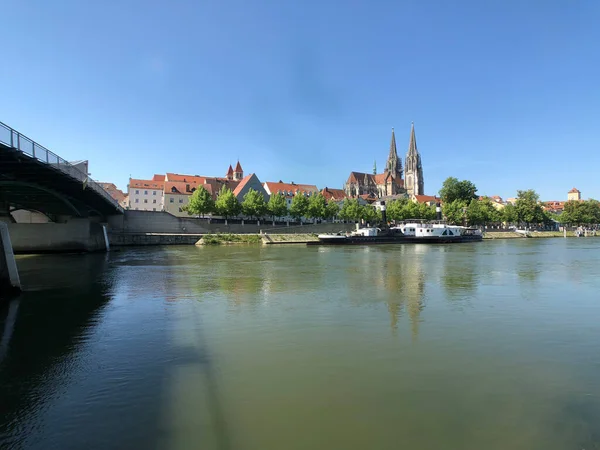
75	235
9	276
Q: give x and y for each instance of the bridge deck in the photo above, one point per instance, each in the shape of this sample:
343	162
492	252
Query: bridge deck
32	177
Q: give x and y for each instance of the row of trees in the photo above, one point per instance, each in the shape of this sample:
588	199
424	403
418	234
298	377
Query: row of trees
255	206
581	213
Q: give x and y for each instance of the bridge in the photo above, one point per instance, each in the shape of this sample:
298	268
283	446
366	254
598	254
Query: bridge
32	178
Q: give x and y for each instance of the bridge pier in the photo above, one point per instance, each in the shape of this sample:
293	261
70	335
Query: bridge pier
75	235
9	276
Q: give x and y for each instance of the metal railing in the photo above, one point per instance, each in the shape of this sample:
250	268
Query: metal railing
29	147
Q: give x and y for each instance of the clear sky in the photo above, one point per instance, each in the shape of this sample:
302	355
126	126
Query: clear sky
503	93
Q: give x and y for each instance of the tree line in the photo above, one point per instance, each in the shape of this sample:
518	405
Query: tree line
254	205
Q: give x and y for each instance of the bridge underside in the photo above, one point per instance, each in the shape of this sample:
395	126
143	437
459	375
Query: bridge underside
26	183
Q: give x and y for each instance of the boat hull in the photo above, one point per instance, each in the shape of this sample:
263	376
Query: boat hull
374	240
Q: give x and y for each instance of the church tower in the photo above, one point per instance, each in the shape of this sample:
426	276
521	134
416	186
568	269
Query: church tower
238	172
414	183
394	164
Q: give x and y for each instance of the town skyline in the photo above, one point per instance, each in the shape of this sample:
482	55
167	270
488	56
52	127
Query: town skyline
502	95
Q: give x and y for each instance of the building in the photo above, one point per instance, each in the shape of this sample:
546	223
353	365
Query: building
574	194
114	192
414	183
289	190
146	195
429	200
249	182
335	195
370	187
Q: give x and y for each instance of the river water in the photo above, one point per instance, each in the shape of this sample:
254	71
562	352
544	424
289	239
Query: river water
492	345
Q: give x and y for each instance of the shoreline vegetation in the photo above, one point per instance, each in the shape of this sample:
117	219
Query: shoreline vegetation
232	239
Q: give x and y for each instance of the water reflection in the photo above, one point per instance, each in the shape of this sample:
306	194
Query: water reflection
42	334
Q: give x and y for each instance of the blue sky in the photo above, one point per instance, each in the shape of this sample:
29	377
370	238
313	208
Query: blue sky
503	93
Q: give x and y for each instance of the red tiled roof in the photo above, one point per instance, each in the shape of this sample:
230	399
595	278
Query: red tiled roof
179	187
114	192
574	191
157	177
185	178
426	198
146	184
230	170
274	188
334	194
241	184
238	167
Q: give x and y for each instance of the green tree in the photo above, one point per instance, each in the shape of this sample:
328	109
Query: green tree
509	214
411	210
581	213
332	209
277	206
452	190
317	206
426	212
254	204
201	202
227	204
299	206
455	211
351	210
370	214
490	213
394	209
528	207
476	214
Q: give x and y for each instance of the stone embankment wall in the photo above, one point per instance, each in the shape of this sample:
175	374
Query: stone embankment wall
161	228
76	235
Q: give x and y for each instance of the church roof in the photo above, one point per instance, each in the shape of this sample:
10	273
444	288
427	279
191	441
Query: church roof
238	167
574	191
230	170
393	152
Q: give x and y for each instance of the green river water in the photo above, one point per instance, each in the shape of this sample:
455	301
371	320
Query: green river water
492	345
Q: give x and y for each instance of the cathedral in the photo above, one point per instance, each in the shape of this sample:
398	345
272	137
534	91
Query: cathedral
391	181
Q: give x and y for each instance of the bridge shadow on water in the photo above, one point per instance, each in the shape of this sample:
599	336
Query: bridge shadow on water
83	364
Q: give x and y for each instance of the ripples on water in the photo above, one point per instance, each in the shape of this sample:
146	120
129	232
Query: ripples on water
491	345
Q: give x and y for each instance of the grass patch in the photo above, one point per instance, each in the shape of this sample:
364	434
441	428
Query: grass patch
226	238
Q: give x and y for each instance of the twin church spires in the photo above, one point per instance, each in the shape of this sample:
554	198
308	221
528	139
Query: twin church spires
413	182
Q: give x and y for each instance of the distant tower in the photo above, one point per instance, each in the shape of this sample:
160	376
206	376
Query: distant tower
375	167
414	183
229	175
238	173
574	194
394	164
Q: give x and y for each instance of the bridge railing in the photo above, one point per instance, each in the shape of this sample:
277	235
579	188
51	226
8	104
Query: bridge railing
14	139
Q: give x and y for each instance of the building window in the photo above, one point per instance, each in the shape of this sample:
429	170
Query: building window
180	200
145	201
154	201
153	209
137	200
171	200
137	192
153	192
145	192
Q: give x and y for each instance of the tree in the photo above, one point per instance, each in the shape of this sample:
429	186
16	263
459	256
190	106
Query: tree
581	213
369	214
317	206
227	204
528	207
455	211
254	204
475	213
509	214
351	210
332	209
299	206
395	209
426	212
277	206
201	202
452	190
344	212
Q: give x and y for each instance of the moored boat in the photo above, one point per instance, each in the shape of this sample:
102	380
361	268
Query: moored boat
407	233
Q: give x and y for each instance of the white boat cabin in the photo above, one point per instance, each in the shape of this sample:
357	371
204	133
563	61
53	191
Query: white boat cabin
431	229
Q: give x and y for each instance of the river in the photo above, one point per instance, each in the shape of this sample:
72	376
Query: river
492	345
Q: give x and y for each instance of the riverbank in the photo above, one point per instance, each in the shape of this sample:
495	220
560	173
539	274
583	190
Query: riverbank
537	235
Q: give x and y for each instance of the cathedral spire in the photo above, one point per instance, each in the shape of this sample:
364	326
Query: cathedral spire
393	164
412	145
375	167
